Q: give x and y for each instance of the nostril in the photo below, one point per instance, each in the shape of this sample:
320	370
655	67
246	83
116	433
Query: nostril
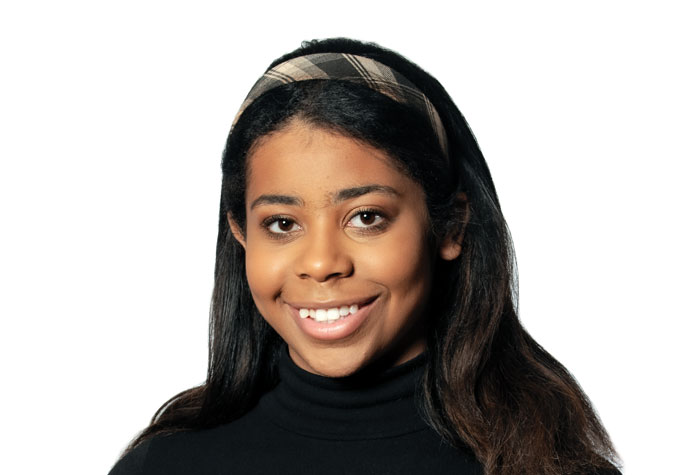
323	261
320	277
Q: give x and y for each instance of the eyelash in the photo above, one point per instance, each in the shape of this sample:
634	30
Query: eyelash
368	229
268	222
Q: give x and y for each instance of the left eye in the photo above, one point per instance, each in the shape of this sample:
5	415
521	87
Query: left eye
366	219
282	226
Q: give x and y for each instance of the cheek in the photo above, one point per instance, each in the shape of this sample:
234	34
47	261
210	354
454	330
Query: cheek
265	273
403	267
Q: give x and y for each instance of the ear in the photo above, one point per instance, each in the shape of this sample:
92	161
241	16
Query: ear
235	229
451	245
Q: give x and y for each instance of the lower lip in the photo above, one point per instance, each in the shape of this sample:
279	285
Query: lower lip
337	330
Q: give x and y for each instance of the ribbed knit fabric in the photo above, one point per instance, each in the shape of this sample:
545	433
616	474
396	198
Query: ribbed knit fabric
308	424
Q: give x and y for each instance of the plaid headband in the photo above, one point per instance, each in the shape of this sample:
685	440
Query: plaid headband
349	67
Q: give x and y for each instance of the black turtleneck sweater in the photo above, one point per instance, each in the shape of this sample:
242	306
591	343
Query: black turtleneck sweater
309	424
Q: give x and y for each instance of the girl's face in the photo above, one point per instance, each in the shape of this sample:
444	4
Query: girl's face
337	252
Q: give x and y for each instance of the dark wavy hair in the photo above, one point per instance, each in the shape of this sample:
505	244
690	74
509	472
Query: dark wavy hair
488	386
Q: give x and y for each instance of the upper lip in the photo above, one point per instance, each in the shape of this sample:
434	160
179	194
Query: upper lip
331	303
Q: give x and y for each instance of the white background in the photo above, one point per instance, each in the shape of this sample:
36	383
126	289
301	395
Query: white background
113	117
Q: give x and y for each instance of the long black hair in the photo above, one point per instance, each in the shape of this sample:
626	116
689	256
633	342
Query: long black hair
488	386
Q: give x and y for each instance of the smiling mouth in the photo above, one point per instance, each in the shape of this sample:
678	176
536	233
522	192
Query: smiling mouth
331	314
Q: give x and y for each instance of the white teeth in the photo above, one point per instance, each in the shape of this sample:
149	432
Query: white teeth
333	314
328	314
321	315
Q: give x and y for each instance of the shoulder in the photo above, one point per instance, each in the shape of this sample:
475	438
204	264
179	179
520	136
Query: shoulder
195	451
132	462
172	454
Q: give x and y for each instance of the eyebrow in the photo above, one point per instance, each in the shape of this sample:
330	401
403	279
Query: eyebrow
339	196
349	193
276	200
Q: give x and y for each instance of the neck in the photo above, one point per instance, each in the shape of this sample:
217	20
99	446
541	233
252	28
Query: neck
376	402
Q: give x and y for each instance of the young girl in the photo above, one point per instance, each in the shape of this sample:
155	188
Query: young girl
363	316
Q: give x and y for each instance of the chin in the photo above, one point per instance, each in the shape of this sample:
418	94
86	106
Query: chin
331	363
337	372
343	370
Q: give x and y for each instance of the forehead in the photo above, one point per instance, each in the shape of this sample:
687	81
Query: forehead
309	161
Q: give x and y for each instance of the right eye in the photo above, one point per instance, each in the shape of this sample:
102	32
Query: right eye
280	225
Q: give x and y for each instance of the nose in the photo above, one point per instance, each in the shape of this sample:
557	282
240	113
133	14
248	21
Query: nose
323	257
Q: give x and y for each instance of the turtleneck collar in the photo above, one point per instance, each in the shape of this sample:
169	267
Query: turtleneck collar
362	406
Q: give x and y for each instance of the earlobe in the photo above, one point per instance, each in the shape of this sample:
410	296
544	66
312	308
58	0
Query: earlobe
450	250
235	229
451	246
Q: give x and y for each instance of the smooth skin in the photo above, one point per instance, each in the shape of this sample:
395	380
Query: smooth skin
332	220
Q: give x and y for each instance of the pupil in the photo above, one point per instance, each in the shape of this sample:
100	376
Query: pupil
367	218
285	224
